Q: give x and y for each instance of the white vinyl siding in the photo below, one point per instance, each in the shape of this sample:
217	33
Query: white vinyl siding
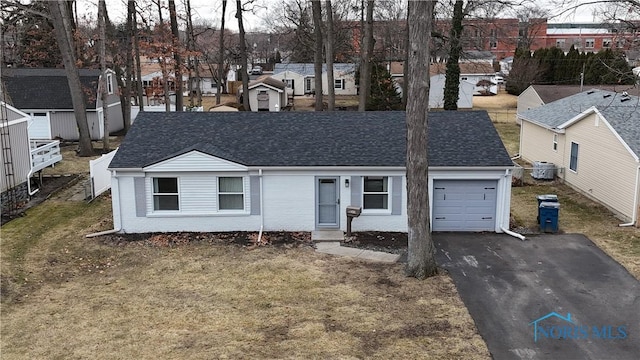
532	136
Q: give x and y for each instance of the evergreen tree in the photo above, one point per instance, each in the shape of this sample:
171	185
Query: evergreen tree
384	95
452	79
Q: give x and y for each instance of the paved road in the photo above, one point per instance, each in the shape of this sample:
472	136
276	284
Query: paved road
592	302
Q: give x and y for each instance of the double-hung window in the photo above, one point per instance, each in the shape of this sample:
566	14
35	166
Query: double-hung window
376	193
338	84
555	142
165	194
573	161
230	193
109	84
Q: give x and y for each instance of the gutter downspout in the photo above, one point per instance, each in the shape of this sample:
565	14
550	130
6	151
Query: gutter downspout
635	202
507	231
261	208
31	193
106	232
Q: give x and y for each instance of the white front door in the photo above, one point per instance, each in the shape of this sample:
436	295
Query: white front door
39	126
327	202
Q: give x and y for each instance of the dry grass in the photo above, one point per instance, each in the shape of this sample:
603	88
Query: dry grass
578	214
65	296
210	101
73	164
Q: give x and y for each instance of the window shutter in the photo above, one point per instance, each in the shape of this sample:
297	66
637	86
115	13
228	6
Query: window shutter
140	196
356	190
396	195
254	190
343	81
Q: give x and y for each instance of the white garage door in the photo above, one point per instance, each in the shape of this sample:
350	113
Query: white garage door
464	205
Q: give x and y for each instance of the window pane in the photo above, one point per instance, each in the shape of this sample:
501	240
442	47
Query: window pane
231	202
230	184
573	161
165	202
165	185
376	201
375	184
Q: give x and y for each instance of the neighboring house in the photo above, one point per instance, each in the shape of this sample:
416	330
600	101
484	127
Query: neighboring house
44	94
267	94
300	78
298	171
593	137
537	95
474	72
21	157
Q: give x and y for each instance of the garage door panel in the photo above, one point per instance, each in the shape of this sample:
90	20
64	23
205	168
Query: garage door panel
464	205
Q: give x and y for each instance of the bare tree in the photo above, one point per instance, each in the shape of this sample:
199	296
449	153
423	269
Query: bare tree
316	9
365	60
329	56
60	16
136	45
175	41
102	9
221	55
421	252
452	79
243	56
193	61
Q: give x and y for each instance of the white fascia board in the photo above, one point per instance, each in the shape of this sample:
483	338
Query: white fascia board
579	117
265	85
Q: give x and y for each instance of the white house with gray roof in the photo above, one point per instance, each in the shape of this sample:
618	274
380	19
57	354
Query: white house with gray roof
300	78
594	138
294	171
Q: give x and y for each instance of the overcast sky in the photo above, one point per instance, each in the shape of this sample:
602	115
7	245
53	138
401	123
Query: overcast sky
209	12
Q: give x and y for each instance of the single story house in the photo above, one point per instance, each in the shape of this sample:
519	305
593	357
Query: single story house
295	171
300	78
593	137
267	94
44	94
21	157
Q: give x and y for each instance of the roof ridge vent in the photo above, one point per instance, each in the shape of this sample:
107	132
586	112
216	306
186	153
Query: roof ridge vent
606	95
625	99
590	91
625	94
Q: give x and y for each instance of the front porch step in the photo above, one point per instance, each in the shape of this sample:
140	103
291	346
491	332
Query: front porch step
327	235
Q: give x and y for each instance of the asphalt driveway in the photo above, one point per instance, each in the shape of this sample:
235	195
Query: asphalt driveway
550	297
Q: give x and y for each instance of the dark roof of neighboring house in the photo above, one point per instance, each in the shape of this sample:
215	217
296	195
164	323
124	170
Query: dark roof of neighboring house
466	68
549	93
624	116
306	69
39	88
460	138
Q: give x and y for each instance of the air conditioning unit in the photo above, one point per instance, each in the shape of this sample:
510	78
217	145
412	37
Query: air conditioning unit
543	170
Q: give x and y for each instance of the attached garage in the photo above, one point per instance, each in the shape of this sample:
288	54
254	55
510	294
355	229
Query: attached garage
464	205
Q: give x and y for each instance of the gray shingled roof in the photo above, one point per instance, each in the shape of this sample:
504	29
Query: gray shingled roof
309	138
39	88
624	116
550	93
307	69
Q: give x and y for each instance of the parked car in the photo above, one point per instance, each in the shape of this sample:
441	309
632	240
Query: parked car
256	70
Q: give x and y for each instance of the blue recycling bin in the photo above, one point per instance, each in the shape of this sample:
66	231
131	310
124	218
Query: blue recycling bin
548	216
545	198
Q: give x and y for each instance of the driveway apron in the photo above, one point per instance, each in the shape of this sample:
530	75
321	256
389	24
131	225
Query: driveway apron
549	297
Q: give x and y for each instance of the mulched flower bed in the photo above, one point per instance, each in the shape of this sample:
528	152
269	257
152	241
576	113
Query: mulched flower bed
241	238
390	242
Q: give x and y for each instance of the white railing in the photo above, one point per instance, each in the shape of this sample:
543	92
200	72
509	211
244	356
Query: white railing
44	153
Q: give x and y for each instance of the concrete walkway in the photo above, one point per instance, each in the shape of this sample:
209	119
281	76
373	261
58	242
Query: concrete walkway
328	242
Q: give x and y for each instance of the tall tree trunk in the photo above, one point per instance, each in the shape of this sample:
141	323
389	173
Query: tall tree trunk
162	61
316	9
191	43
452	78
136	45
405	67
104	94
64	36
365	62
243	58
221	55
177	56
421	253
331	87
125	98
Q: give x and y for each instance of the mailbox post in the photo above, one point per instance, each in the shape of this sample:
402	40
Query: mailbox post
352	212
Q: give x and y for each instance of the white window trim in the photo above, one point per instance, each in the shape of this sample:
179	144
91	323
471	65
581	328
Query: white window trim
244	209
110	84
577	157
555	142
154	194
386	211
589	43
